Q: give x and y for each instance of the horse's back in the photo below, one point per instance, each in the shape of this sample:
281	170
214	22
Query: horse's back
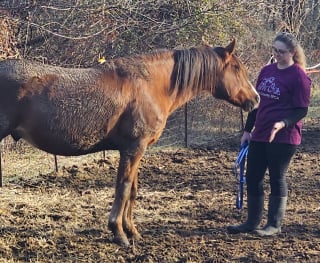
21	70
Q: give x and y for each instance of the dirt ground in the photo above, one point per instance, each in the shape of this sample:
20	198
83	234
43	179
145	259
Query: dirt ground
186	199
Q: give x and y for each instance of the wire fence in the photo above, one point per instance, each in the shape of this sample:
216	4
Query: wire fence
202	121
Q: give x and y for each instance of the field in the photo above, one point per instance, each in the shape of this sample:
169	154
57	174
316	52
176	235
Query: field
186	199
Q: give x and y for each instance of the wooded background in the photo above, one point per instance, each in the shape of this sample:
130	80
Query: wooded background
78	33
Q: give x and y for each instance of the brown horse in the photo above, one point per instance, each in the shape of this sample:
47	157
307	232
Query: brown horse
121	105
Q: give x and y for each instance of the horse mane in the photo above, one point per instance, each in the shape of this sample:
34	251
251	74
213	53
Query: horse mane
195	68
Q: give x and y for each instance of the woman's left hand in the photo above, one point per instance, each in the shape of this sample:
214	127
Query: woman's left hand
276	127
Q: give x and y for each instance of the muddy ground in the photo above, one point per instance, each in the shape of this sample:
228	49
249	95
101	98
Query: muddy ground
186	199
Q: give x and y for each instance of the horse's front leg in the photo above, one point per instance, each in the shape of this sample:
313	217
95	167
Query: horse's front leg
128	223
127	173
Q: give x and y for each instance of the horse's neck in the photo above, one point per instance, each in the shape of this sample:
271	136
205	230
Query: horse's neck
186	87
180	98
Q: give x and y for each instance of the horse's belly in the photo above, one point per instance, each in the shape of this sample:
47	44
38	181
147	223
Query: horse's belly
55	142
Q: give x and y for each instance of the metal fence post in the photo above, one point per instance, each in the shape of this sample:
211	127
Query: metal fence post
186	142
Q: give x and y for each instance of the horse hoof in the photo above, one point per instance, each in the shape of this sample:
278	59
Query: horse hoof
136	236
121	241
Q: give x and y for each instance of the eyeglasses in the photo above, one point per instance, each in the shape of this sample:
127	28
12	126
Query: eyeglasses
279	51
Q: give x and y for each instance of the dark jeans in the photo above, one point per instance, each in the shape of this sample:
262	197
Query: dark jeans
272	156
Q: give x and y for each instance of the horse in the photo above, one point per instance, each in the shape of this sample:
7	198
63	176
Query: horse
120	105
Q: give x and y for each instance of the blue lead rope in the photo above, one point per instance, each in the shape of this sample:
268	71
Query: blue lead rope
239	168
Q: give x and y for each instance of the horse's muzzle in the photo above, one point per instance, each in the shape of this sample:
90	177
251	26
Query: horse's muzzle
250	105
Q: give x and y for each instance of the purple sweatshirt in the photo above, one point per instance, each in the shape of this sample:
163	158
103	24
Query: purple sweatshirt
281	90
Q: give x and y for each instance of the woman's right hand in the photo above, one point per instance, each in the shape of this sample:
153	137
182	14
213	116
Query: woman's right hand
246	137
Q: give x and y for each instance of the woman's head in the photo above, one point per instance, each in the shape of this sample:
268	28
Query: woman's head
292	46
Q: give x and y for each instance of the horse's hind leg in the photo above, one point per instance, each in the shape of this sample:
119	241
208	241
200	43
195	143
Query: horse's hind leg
4	131
4	125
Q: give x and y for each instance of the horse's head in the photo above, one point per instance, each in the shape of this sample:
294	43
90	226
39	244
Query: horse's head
234	85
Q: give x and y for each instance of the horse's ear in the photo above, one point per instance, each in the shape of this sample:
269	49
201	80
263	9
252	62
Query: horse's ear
225	52
230	48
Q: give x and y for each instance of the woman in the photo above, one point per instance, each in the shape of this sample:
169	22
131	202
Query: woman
284	88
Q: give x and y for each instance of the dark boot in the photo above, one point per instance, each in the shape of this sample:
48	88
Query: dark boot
276	210
255	208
